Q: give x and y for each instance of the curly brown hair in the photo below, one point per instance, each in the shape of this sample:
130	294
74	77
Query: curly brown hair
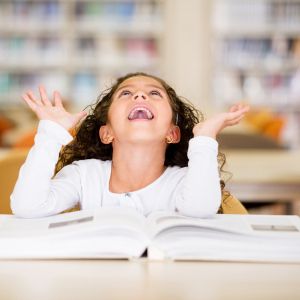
87	144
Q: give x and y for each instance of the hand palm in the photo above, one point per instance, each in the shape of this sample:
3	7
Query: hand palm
55	112
58	115
212	126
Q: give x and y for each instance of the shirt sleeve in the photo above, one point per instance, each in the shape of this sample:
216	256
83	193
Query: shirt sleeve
199	194
35	193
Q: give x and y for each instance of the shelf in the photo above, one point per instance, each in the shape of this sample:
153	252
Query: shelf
139	29
260	32
96	28
76	46
80	64
258	69
256	17
257	59
285	108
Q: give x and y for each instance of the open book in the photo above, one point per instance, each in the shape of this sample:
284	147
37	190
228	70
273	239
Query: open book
124	233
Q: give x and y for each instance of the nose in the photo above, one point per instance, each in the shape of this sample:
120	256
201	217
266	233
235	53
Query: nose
139	95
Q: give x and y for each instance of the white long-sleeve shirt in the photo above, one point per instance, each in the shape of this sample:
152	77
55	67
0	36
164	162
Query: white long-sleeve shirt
193	190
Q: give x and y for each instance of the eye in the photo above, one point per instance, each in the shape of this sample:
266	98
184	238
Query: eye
155	93
125	93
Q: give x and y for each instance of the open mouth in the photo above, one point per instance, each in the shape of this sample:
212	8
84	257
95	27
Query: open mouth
140	113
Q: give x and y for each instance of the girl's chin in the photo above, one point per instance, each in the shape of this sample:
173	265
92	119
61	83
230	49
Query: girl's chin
142	139
138	135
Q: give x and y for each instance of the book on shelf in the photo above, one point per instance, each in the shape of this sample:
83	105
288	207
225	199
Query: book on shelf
118	233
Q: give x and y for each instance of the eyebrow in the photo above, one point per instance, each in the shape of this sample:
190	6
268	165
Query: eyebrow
122	87
148	85
156	86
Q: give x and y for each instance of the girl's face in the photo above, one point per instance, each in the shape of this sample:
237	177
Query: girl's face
140	112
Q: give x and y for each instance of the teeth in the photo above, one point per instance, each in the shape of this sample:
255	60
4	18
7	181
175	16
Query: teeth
144	109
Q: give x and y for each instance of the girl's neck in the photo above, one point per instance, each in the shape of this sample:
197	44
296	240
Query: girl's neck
135	166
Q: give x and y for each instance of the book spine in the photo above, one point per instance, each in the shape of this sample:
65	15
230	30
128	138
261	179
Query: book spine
155	254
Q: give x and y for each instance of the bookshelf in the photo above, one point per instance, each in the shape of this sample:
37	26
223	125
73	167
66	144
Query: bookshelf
76	47
257	58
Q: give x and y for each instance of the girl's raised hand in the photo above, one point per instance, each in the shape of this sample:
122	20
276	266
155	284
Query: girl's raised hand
46	110
212	126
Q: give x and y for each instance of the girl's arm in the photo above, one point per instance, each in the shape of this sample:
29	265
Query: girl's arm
200	193
35	193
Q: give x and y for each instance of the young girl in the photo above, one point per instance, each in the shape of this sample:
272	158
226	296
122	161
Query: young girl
141	146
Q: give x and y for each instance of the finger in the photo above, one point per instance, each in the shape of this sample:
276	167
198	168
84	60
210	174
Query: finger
33	98
44	96
234	108
29	102
246	108
235	114
239	106
57	99
80	116
235	121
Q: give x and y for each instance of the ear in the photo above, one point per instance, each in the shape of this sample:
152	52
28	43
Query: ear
174	135
105	136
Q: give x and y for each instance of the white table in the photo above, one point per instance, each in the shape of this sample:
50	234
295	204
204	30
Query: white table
142	280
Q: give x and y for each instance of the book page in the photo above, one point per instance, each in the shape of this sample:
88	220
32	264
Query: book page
242	224
225	237
100	233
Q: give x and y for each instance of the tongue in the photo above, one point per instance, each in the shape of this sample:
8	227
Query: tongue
140	114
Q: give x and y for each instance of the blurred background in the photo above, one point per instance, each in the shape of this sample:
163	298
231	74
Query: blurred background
213	52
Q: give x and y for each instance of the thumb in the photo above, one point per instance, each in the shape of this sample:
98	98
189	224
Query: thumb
79	116
234	108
